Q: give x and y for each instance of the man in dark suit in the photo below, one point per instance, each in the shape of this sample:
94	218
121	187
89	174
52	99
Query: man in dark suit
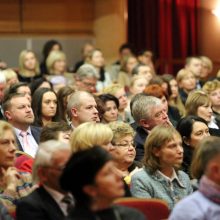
46	202
18	112
148	112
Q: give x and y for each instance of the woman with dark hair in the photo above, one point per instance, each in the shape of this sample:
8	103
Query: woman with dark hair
48	47
192	129
111	105
44	105
63	96
91	178
40	83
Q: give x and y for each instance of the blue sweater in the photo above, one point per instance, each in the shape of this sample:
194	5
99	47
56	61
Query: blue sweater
147	185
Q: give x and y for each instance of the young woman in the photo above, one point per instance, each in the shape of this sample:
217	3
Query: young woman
28	66
91	178
160	177
44	105
111	105
193	129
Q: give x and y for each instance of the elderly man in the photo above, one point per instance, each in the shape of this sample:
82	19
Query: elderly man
86	78
82	108
148	112
18	112
48	201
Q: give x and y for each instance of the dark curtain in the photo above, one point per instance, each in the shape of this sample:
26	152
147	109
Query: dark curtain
167	27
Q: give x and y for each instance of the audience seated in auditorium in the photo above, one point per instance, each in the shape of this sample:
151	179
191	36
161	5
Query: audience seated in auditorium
95	192
45	107
82	108
204	203
148	111
48	200
160	177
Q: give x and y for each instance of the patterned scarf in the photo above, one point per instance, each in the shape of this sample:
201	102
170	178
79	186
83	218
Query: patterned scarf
210	189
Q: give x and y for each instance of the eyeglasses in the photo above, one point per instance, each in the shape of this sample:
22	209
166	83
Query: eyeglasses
125	145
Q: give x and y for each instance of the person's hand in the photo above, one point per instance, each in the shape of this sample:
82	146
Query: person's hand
10	178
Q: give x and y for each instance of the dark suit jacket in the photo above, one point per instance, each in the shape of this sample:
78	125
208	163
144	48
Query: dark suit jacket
36	134
39	205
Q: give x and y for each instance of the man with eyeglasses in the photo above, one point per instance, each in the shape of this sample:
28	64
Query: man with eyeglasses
48	201
148	112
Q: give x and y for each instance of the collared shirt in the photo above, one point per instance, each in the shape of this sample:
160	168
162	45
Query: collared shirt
32	149
58	197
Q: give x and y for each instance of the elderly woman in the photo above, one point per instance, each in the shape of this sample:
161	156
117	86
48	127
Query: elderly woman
193	129
13	184
160	177
90	176
124	149
198	103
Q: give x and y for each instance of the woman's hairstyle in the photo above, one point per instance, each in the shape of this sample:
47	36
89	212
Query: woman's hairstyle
35	84
62	95
81	170
155	90
185	125
211	86
5	126
88	134
208	149
51	131
22	56
52	58
108	97
195	100
120	130
36	105
48	47
9	74
181	74
158	136
207	62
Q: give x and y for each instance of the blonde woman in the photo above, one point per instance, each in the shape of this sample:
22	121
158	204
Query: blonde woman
57	69
28	66
186	82
11	77
88	134
160	177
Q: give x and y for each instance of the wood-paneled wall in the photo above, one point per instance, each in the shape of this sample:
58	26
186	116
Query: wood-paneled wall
47	16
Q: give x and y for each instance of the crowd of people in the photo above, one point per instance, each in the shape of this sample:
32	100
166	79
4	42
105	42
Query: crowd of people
75	139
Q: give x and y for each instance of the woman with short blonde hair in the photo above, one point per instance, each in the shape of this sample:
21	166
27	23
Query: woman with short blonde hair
90	133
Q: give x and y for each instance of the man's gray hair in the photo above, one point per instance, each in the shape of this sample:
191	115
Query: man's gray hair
44	156
142	107
75	101
87	70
